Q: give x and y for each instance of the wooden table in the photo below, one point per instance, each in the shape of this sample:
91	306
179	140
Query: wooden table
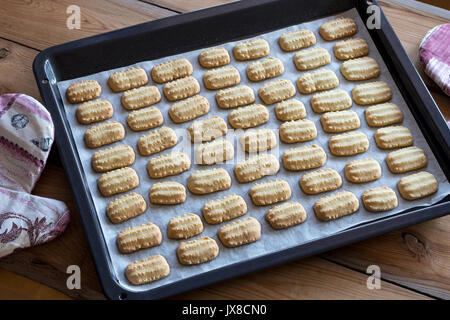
414	262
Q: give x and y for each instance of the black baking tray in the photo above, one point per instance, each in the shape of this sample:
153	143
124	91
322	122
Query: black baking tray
190	31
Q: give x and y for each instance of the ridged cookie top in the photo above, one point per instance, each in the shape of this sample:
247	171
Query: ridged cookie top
140	97
311	58
363	170
139	237
383	114
252	49
321	180
184	226
145	119
224	209
291	109
117	181
189	109
240	232
379	199
94	111
337	28
256	167
127	79
321	79
147	270
181	88
336	205
393	137
417	185
126	207
157	140
113	158
371	92
297	131
209	180
197	251
406	159
214	57
304	158
286	215
351	48
349	143
297	39
276	91
235	97
83	90
249	116
216	151
257	140
221	77
168	165
103	134
360	69
265	69
167	192
207	129
332	100
269	192
171	70
340	121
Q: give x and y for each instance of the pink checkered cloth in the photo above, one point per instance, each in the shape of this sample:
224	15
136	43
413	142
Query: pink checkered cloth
26	136
434	52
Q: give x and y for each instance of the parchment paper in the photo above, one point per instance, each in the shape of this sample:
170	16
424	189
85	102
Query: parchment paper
271	240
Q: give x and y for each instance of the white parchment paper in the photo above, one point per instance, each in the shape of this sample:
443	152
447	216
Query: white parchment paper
271	240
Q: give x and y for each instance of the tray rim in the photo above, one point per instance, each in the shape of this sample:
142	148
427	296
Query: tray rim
71	162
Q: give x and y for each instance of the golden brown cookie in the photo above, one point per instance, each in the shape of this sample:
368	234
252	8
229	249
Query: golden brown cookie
383	114
304	158
340	121
311	58
371	92
184	226
147	270
417	185
393	137
321	180
322	79
297	131
126	207
94	111
256	167
406	159
168	165
197	251
221	78
362	170
276	91
351	48
224	209
240	232
291	109
207	129
337	28
360	69
248	116
252	49
144	236
258	140
144	119
113	158
140	97
216	151
331	100
379	199
127	79
117	181
171	70
265	69
83	90
208	181
286	215
336	205
181	88
297	39
167	192
214	57
235	97
157	140
189	109
103	134
348	144
269	192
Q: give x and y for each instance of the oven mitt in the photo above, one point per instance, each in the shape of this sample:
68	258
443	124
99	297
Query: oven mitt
434	52
26	136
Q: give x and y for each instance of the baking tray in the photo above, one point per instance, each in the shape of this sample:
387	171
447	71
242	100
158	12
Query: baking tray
205	28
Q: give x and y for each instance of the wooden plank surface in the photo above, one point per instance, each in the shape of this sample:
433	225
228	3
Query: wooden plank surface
398	254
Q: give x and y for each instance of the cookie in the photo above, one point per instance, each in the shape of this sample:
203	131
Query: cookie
322	79
393	137
337	28
336	205
157	140
140	97
221	78
256	167
332	100
127	79
252	49
147	270
265	69
348	144
184	226
360	69
197	251
304	158
207	129
171	70
417	185
240	232
379	199
144	236
235	97
214	57
168	165
371	92
83	90
291	109
363	170
117	181
103	134
321	180
286	215
297	131
351	48
167	192
126	207
258	140
94	111
406	159
145	119
340	121
189	109
383	114
216	151
113	158
249	116
276	91
181	88
224	209
270	192
208	181
311	58
297	39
